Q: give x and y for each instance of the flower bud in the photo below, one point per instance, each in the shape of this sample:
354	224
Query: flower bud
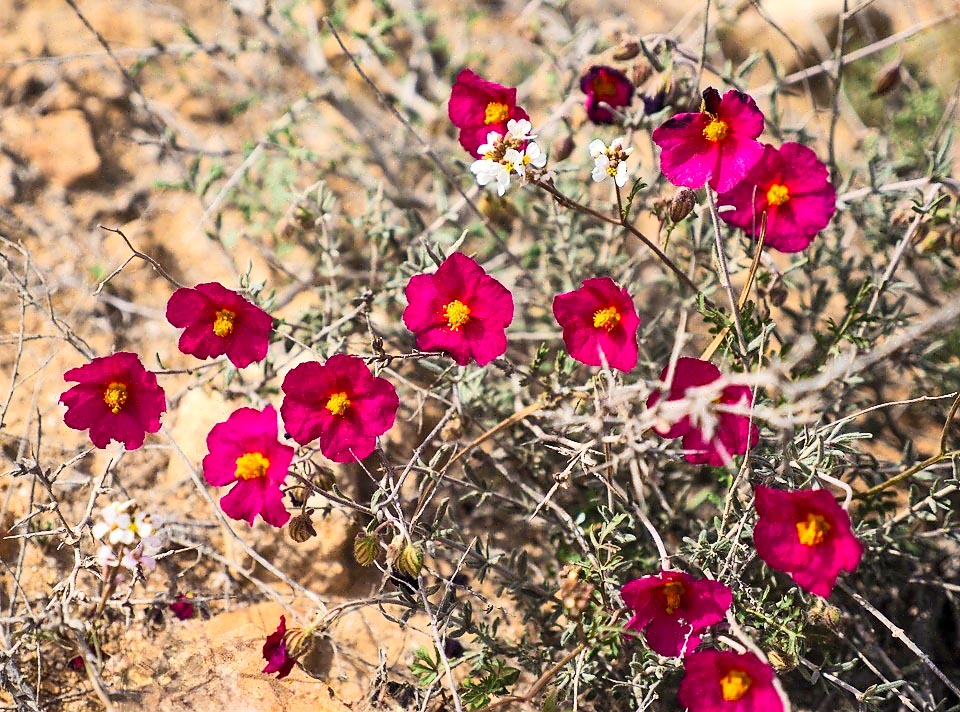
301	528
410	560
563	147
365	549
682	204
627	50
825	614
779	661
777	295
452	430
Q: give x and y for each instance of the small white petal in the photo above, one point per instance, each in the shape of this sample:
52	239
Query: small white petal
597	147
621	176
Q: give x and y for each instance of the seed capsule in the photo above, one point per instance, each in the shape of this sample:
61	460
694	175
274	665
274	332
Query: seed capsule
682	204
365	549
301	528
410	560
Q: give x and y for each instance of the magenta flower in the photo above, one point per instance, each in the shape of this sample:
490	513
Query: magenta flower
244	451
275	652
341	403
724	681
459	309
711	433
791	186
182	608
599	318
807	534
605	85
716	144
478	107
219	321
672	607
116	398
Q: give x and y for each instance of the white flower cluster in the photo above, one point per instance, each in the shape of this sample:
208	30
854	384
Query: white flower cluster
507	155
129	537
610	161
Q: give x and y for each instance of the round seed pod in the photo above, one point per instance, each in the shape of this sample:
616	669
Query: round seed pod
682	204
301	528
365	549
410	560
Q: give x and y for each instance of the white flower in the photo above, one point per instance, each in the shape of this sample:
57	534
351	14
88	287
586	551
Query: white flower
534	155
142	525
597	147
619	143
520	129
621	176
488	171
610	161
116	525
493	138
513	162
142	555
106	556
601	165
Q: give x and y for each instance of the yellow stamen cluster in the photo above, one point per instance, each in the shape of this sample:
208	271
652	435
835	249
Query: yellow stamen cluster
777	194
115	396
496	113
606	318
338	403
457	314
251	466
605	87
812	530
716	130
673	593
223	324
735	685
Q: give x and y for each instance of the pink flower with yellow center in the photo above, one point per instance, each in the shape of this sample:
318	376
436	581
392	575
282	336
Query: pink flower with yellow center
116	398
605	85
218	321
340	402
792	187
599	321
716	145
478	107
712	432
806	534
724	681
459	309
244	451
671	608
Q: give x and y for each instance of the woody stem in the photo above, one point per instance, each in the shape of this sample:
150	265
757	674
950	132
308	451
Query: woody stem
627	225
725	272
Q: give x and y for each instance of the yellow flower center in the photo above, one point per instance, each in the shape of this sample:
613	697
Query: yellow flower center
734	685
605	86
777	194
223	324
496	113
612	169
115	396
251	466
606	318
457	314
673	592
812	530
716	130
338	403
